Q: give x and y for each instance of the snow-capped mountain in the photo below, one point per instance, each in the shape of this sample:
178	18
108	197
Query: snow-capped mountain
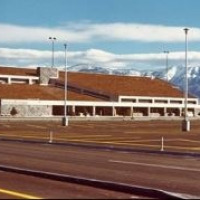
105	70
175	75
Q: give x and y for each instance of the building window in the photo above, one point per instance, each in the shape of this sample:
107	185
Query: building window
145	100
129	100
176	101
160	101
192	102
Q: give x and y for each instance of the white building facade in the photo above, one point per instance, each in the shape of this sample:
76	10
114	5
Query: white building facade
124	106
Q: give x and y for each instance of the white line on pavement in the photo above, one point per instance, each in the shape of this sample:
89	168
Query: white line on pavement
156	165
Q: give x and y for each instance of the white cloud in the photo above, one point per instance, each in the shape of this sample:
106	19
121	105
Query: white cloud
28	57
23	53
22	34
87	32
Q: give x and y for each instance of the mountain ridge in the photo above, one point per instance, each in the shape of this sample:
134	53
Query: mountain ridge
175	74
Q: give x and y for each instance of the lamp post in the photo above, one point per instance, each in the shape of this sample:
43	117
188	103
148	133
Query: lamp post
186	122
167	64
52	42
65	118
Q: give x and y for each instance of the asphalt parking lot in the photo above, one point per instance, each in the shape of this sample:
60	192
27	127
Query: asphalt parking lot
149	135
51	147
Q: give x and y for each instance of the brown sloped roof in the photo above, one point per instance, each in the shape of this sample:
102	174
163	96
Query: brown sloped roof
109	84
124	85
24	91
17	71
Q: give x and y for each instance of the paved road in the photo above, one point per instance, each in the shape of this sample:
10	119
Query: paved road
171	173
16	186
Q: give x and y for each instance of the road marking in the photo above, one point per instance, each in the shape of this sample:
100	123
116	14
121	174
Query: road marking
99	141
105	142
193	141
152	140
17	194
130	144
36	126
23	136
5	125
84	126
44	136
155	165
89	136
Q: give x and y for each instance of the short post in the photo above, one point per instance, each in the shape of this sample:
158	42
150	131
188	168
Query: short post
162	144
50	136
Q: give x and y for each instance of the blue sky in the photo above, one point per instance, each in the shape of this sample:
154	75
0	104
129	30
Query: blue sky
117	33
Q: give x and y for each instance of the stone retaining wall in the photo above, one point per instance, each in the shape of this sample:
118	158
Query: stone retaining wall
26	110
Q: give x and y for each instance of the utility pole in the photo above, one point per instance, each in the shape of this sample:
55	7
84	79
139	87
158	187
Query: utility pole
65	119
186	122
52	44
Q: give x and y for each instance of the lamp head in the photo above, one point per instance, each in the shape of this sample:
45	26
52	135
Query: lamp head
186	30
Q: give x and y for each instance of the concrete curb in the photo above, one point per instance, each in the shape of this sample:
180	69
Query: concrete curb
108	185
106	148
95	119
126	149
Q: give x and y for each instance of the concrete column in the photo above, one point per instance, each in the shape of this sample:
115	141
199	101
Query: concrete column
113	111
131	111
9	80
30	82
94	111
180	111
165	111
73	110
148	111
196	112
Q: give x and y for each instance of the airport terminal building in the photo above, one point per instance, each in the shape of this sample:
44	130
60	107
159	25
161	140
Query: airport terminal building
40	93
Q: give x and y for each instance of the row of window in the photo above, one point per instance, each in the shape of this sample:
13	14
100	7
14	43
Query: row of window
157	101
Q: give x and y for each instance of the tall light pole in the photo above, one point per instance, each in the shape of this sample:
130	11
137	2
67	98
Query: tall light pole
65	118
186	122
167	64
52	42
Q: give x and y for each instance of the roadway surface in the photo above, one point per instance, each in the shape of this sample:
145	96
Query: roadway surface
16	186
170	173
26	145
